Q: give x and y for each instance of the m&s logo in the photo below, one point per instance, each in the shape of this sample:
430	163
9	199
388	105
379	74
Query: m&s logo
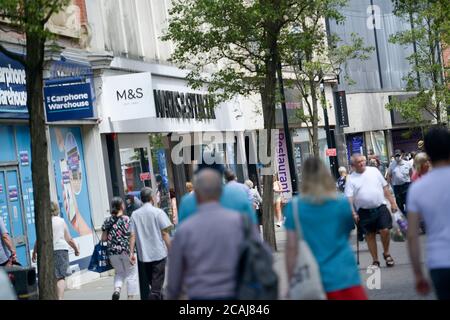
130	94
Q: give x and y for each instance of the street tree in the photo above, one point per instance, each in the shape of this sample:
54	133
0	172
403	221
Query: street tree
427	78
28	18
317	57
233	47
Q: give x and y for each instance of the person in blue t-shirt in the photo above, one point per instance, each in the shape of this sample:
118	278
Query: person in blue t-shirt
326	221
233	197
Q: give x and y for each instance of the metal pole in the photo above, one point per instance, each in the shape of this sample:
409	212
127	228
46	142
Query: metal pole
327	130
287	133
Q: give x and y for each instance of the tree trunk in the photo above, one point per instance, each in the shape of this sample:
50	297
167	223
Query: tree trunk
315	118
39	167
268	104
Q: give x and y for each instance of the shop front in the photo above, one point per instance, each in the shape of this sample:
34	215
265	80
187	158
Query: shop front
160	128
68	98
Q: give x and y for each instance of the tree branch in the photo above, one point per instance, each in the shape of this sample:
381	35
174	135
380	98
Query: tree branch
54	7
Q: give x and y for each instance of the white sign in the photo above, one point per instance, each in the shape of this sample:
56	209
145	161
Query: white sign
284	174
128	97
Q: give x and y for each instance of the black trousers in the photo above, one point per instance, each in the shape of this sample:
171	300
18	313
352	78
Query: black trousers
400	193
441	282
151	279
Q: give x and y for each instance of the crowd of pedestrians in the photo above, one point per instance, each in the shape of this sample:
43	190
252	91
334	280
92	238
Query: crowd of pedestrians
203	254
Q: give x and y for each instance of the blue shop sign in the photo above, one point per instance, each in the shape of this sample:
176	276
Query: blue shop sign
13	89
68	100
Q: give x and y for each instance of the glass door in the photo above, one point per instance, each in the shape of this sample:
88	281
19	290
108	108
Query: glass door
11	210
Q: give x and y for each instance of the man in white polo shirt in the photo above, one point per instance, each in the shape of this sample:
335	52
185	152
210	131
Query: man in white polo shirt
366	190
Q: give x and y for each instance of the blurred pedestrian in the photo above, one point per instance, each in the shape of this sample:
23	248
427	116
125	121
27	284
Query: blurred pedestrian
61	242
257	200
429	198
116	233
150	228
233	197
367	189
133	203
326	221
420	146
342	179
399	176
173	205
277	200
7	249
231	179
206	248
421	166
189	187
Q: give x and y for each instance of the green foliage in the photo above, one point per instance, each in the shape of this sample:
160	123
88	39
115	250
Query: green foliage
430	20
315	56
224	42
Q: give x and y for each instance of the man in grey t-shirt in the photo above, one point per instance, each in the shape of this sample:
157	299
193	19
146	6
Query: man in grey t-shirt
149	233
7	249
399	175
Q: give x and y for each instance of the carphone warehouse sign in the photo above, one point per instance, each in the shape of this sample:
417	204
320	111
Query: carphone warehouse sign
68	101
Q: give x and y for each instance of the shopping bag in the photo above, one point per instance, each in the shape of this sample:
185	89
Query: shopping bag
401	221
397	235
306	283
99	260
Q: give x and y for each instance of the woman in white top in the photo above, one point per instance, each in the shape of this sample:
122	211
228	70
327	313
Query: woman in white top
61	242
277	199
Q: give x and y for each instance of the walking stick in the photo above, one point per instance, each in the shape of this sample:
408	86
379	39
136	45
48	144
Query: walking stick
357	245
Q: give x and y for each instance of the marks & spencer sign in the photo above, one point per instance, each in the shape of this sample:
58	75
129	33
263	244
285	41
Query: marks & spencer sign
128	96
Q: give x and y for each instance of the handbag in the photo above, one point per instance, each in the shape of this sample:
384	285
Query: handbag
99	259
306	283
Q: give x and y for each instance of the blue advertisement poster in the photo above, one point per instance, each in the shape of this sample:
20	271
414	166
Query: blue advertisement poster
355	144
13	91
161	155
70	175
23	149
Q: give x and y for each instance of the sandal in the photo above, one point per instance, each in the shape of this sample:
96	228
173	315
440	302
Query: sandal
376	263
389	260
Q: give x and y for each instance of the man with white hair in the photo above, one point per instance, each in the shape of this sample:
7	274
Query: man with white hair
205	249
366	190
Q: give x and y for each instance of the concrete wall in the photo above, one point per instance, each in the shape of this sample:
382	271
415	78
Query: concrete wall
130	28
367	112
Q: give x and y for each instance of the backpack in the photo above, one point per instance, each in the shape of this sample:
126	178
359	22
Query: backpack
256	279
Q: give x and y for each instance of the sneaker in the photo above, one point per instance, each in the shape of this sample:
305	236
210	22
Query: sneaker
116	295
278	224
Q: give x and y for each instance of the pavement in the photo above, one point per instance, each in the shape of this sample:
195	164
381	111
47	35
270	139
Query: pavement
395	283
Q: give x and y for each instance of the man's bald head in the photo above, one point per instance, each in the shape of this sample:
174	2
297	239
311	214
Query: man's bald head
208	186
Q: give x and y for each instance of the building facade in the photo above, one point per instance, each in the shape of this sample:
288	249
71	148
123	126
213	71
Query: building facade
72	132
372	129
147	109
